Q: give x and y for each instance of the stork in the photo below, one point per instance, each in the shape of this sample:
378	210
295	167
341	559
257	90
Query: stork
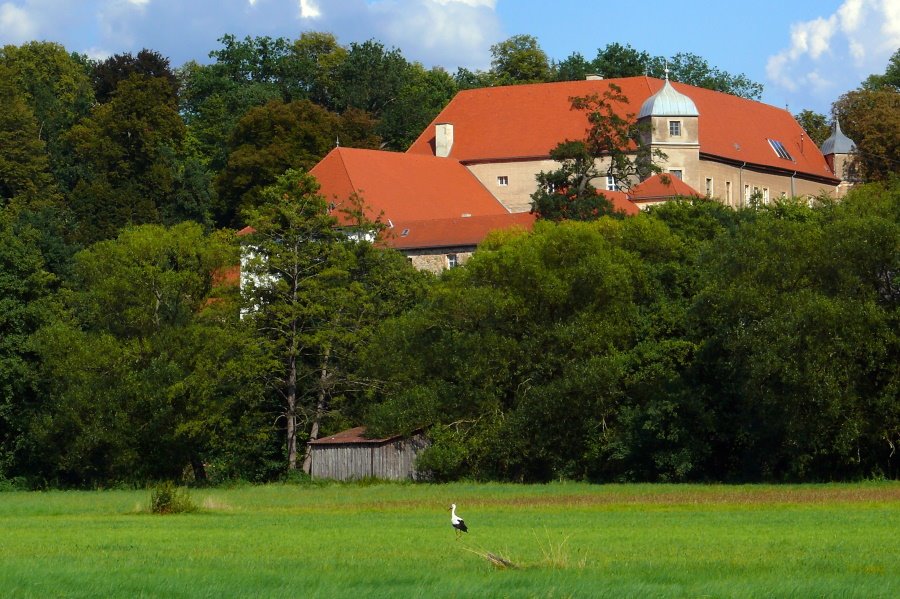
456	521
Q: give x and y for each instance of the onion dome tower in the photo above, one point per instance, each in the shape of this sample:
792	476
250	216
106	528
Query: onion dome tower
674	128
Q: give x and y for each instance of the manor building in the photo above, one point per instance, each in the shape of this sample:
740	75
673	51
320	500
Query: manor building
474	167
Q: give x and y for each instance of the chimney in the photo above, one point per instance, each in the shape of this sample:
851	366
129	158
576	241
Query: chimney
443	139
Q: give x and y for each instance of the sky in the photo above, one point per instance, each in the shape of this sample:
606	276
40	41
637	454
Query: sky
806	53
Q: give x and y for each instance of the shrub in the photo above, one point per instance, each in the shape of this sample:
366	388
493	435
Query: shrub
167	498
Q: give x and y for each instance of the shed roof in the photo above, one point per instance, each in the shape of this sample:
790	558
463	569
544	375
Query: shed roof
354	435
524	122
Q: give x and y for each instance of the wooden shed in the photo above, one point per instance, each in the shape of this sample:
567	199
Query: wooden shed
350	455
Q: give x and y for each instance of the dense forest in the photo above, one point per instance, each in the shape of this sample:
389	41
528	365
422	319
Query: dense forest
693	342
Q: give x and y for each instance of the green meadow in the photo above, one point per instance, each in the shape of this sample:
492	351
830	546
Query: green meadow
395	540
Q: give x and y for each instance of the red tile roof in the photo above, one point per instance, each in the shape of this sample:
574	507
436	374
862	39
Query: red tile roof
451	232
659	187
403	187
621	202
526	121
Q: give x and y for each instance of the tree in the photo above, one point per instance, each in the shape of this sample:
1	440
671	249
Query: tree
315	294
245	74
421	99
872	120
890	80
149	371
466	79
57	88
312	68
573	68
816	126
26	288
270	139
616	60
567	193
371	78
130	147
695	70
107	74
614	140
519	59
24	169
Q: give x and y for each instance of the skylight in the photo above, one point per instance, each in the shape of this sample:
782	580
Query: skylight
779	149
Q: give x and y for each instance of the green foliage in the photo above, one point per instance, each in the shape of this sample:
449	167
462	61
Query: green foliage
57	89
689	343
315	295
871	118
890	79
567	193
107	74
276	137
615	60
149	372
816	126
168	498
25	306
613	139
519	59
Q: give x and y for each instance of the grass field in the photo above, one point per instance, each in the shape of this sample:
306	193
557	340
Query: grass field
395	540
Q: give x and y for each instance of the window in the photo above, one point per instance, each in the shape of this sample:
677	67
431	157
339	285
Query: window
728	191
746	194
676	172
611	183
502	180
709	187
779	149
765	196
674	128
452	261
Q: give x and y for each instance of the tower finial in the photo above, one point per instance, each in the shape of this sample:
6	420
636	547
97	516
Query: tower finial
667	69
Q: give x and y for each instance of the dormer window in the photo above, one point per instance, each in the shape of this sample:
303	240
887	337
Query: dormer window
674	128
779	149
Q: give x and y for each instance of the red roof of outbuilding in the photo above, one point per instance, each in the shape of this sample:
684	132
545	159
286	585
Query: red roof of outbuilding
353	435
527	121
660	187
452	232
403	187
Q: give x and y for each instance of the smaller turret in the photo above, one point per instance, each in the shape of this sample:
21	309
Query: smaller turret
837	149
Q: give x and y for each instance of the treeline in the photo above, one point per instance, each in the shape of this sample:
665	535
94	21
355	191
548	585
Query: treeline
124	356
691	343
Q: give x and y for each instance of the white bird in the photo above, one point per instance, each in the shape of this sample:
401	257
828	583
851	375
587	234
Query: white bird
456	521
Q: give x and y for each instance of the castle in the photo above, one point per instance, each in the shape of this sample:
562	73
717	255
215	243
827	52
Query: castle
473	169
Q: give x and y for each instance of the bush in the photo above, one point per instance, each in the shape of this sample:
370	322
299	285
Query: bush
166	498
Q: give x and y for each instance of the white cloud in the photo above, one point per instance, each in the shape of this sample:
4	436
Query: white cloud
833	53
16	24
309	9
450	33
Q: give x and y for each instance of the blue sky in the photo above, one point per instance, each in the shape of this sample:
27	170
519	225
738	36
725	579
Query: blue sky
805	52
